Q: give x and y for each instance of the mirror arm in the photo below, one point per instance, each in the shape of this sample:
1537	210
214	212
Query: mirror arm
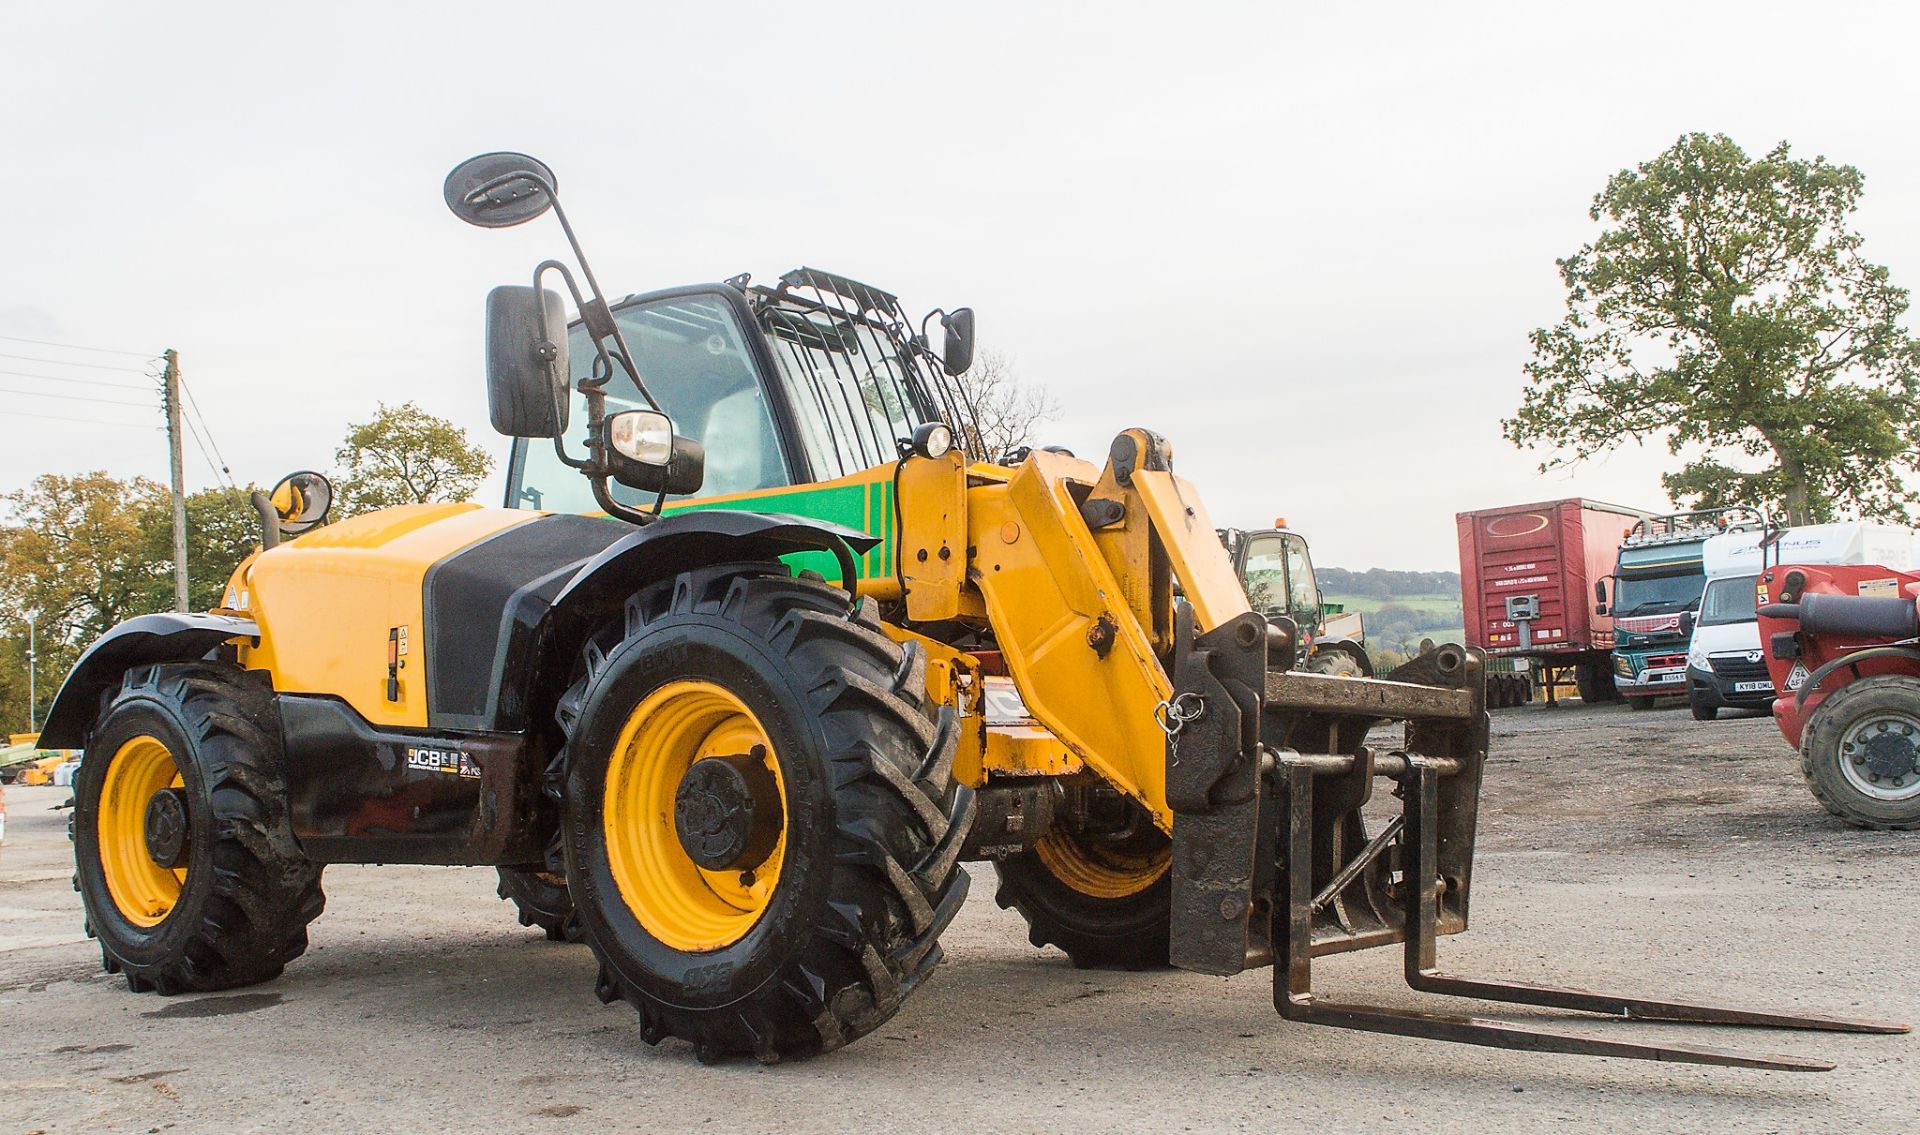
603	496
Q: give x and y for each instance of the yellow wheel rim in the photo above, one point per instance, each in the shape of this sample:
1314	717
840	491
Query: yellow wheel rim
1101	871
144	891
680	903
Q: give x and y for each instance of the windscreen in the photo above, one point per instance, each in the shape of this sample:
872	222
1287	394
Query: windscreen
1656	595
693	357
1729	600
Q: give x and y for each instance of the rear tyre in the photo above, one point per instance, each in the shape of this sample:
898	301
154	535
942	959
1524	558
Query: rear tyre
186	861
1594	680
762	828
1105	900
541	899
1861	753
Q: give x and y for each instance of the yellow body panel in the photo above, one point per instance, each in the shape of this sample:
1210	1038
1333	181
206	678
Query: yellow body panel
1052	599
327	602
1193	546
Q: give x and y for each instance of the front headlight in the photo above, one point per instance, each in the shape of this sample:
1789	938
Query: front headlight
1622	667
1698	660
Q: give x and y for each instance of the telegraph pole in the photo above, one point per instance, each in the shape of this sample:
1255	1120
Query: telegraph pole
171	380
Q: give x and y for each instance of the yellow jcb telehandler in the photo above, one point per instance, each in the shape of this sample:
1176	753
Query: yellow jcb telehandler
761	650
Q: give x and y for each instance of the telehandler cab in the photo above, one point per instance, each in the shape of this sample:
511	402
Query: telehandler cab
810	652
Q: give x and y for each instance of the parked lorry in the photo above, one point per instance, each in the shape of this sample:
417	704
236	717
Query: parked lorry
1726	668
1276	567
1657	579
1842	644
1527	576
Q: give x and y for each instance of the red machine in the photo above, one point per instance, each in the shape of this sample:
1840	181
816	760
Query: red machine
1843	644
1526	584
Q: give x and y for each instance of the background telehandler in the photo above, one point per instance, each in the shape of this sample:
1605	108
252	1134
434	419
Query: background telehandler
808	654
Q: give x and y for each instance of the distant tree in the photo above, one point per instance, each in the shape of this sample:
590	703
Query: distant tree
77	551
76	556
1726	308
1007	411
222	530
404	455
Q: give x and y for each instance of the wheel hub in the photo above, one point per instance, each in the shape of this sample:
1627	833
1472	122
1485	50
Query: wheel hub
166	827
727	811
1889	754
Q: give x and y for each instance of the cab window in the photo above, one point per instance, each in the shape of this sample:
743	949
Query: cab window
694	357
1729	600
1266	575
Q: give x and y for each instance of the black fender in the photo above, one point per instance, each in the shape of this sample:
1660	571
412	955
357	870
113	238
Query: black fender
688	540
142	640
527	679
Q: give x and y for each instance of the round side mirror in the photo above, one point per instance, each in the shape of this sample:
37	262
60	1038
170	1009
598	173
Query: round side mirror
497	190
302	501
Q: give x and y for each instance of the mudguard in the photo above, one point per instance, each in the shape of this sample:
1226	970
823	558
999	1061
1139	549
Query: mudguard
165	637
706	536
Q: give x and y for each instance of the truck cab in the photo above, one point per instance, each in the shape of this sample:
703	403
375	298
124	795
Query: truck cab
1658	578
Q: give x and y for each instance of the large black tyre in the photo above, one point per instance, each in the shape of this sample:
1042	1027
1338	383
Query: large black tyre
1702	711
1337	662
1105	908
1860	753
240	912
1594	680
866	874
540	899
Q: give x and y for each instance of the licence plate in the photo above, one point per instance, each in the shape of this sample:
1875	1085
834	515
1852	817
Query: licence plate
1751	687
1669	676
1797	676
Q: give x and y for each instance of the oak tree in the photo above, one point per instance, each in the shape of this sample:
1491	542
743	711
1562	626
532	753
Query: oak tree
1726	309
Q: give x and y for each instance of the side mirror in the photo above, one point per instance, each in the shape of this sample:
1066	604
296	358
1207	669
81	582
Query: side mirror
1599	596
646	454
1686	623
527	362
957	351
299	502
500	189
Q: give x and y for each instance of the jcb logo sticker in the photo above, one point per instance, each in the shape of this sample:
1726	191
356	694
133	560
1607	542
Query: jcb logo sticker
453	762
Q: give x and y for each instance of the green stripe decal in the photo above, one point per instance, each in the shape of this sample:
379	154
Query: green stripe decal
865	506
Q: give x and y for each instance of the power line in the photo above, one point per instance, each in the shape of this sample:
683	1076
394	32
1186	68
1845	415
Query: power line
78	347
74	397
82	381
216	470
83	421
63	363
194	403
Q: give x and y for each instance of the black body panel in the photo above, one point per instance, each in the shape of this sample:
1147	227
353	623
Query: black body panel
484	608
166	637
360	794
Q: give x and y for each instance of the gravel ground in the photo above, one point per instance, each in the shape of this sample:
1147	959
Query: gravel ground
1642	852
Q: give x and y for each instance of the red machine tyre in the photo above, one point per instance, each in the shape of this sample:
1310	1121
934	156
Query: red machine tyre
1861	753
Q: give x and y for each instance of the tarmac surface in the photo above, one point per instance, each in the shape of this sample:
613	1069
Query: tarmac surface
1635	852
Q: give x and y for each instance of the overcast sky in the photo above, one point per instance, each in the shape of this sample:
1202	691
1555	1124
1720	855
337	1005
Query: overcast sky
1306	243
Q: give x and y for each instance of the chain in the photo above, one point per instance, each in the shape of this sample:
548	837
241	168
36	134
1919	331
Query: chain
1173	715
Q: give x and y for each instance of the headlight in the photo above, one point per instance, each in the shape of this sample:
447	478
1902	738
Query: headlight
645	436
1622	667
1698	660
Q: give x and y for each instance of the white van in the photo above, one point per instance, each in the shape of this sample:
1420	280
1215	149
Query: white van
1726	668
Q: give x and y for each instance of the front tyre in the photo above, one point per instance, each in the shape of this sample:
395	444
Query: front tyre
186	861
1104	898
1339	663
762	829
1861	753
